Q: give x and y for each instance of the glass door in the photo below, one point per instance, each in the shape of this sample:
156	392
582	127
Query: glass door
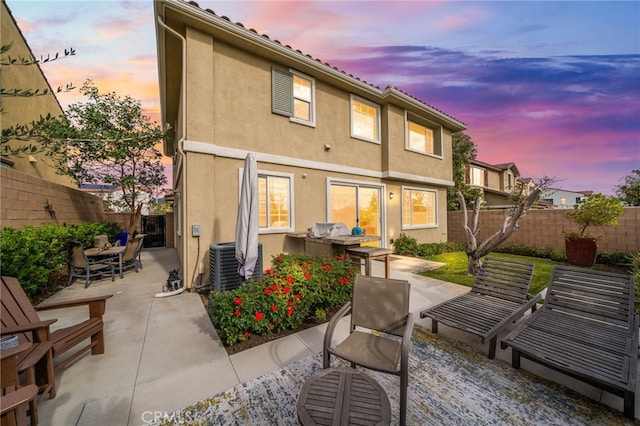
353	203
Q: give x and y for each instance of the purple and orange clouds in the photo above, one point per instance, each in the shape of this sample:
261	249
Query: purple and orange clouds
551	86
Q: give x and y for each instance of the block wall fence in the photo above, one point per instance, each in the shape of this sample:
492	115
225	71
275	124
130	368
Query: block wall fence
29	200
545	229
24	200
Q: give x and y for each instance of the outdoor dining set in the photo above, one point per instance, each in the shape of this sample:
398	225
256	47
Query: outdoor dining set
104	258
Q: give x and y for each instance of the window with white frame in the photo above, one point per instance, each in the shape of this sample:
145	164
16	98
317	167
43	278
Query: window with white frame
423	136
293	95
477	176
365	119
419	208
275	202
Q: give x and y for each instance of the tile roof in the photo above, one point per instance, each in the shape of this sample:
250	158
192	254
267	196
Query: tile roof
387	90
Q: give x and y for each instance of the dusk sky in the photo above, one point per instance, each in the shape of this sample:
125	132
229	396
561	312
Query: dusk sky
551	86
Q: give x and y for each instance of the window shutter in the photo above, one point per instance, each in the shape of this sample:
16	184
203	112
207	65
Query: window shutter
281	92
486	178
467	176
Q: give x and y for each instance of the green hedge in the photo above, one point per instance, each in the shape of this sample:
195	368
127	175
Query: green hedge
32	254
408	246
296	288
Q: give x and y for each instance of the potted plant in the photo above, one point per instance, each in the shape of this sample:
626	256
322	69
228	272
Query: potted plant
595	210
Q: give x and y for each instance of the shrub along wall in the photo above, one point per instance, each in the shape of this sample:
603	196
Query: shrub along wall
545	229
29	200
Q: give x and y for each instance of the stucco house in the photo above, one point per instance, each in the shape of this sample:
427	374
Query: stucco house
23	110
330	147
497	181
562	198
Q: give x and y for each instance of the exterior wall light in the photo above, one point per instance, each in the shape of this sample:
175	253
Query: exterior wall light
391	195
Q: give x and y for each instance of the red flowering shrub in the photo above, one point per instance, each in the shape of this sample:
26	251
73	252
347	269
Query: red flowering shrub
294	289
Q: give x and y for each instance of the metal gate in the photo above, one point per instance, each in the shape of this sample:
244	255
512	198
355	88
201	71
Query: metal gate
154	229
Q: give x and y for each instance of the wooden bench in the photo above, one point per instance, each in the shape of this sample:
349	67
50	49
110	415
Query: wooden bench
369	253
499	296
586	329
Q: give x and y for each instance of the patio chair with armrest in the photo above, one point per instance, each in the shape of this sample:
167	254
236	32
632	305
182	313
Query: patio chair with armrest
18	316
499	296
131	256
83	267
379	306
101	241
14	398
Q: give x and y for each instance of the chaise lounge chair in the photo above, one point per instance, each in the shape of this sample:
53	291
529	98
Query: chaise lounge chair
499	296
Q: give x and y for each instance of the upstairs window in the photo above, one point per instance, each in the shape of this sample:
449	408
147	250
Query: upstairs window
293	95
423	136
365	120
478	176
420	138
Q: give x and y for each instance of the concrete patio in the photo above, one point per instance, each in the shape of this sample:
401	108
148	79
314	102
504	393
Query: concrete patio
163	353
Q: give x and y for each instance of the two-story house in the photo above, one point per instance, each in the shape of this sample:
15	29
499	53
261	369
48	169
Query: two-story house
562	198
329	146
23	110
498	182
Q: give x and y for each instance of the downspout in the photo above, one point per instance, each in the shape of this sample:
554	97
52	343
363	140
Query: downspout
183	136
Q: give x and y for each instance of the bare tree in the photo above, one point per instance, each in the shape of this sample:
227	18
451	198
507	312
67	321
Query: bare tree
477	249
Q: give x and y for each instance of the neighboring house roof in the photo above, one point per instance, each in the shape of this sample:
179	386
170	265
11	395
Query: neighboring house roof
227	30
93	187
585	193
507	166
497	167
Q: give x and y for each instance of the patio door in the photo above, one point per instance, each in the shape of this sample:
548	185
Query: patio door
351	202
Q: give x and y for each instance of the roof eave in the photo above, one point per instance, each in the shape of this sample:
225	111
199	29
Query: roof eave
274	47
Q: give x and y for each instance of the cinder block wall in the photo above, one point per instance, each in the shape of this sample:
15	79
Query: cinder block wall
29	200
545	229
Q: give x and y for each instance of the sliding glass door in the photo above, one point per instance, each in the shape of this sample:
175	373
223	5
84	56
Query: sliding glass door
351	203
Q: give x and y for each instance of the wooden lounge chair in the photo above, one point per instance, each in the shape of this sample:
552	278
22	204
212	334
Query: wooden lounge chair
13	397
382	305
498	297
81	266
586	329
19	316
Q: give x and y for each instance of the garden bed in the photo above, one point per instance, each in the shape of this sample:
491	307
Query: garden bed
256	340
297	292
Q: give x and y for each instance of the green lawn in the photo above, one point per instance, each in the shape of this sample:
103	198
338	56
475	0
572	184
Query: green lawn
455	269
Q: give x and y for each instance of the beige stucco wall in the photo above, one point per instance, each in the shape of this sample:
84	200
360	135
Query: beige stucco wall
228	110
24	110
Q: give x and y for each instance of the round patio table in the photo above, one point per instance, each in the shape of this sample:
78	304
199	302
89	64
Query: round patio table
343	396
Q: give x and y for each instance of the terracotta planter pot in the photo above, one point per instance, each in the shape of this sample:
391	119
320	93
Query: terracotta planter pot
581	251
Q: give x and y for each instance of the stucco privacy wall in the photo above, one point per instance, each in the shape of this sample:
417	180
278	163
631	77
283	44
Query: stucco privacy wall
23	201
544	229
